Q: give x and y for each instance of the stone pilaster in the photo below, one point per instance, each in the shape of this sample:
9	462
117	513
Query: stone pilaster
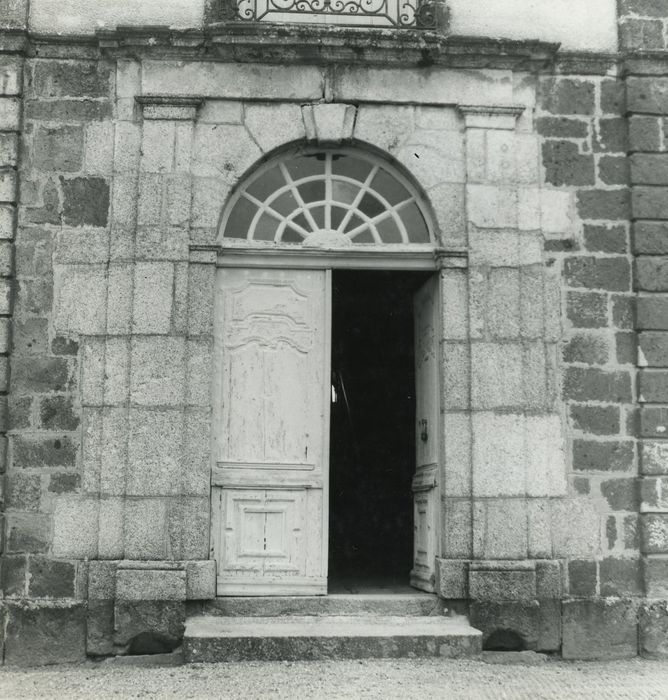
11	88
647	92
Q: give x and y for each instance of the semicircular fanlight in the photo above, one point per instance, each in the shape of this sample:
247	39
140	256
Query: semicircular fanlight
344	196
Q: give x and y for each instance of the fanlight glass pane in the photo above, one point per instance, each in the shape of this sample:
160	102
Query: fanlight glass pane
334	194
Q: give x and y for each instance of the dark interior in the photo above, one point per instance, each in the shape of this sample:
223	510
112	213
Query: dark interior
372	439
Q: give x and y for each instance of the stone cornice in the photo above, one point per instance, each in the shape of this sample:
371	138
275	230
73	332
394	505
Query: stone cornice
292	43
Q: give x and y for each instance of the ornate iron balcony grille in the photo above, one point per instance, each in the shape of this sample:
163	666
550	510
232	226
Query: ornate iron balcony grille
399	14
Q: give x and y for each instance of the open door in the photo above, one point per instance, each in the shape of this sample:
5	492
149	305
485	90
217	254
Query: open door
426	308
271	435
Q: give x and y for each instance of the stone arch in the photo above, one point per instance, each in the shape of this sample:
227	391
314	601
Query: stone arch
320	195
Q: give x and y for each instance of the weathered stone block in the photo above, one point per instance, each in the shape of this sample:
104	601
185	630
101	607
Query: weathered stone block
653	421
36	452
650	237
613	170
599	629
58	148
102	580
652	312
643	8
75	528
562	127
200	299
28	532
575	527
501	585
150	584
119	299
67	110
565	165
14	576
644	133
110	541
8	183
500	529
223	150
70	78
582	578
621	494
189	527
597	385
51	578
8	149
41	633
23	491
654	533
605	239
145	529
64	483
567	96
329	123
598	420
492	207
587	309
269	124
157	146
155	452
148	626
623	311
635	33
653	630
655	571
587	348
591	455
653	349
613	273
654	457
647	95
654	493
152	303
626	348
85	201
452	578
653	386
7	221
100	627
651	273
537	623
80	295
490	389
158	371
200	579
10	111
620	577
611	135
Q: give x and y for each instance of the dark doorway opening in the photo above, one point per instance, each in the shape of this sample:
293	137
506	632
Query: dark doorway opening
372	430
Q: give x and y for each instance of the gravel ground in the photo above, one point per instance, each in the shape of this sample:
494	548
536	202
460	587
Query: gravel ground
387	678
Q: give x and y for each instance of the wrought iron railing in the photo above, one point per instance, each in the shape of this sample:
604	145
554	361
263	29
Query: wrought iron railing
400	14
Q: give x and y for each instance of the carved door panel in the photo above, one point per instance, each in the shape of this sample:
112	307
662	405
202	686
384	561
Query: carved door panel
426	506
271	436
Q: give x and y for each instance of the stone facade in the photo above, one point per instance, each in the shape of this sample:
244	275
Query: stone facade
545	173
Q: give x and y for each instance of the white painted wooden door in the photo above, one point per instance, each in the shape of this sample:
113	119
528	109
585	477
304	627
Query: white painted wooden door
272	431
426	307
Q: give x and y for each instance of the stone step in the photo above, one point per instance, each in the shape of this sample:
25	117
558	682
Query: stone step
400	604
210	638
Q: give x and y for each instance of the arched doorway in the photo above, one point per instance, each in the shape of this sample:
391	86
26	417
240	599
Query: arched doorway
325	253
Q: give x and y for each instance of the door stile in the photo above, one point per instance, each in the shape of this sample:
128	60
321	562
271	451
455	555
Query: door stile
326	412
429	435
